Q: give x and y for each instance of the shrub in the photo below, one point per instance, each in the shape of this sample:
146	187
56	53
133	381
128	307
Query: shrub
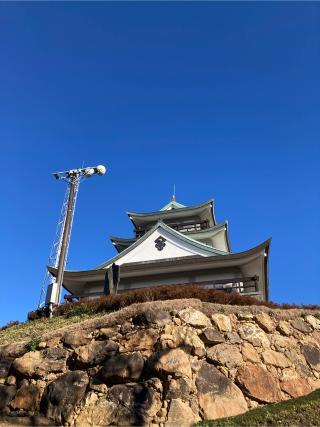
32	345
10	324
37	314
80	310
158	293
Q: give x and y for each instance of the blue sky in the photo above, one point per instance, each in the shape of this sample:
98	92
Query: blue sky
221	99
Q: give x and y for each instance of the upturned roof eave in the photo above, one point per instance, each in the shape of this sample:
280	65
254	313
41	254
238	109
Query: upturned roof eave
212	231
173	212
122	239
122	243
238	256
187	208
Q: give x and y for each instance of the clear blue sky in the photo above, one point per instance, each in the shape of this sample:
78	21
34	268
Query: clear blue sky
221	99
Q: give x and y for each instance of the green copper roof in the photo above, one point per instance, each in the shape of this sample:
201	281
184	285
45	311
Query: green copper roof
122	243
173	204
172	211
212	231
204	210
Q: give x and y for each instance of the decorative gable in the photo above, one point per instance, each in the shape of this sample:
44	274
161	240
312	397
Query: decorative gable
162	242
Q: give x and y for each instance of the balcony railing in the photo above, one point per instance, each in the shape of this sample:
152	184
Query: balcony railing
242	285
183	227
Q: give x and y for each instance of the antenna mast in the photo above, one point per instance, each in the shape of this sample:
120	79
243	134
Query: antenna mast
56	248
174	193
59	251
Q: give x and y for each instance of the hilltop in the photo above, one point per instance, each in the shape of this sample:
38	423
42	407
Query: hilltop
160	362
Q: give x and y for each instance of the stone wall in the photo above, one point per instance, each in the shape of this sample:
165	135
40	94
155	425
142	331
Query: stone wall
163	363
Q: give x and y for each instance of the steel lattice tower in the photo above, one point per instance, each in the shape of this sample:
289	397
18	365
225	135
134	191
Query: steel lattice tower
51	287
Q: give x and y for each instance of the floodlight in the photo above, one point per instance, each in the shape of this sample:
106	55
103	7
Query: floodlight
101	170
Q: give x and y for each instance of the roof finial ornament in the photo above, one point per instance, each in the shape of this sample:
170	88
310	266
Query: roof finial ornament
174	193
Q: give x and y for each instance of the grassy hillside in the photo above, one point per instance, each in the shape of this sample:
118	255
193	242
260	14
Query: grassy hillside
68	313
74	312
36	329
304	411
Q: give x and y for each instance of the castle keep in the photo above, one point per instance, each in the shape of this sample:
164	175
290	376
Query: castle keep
177	245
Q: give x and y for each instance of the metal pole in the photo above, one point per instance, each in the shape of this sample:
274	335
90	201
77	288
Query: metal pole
60	246
66	234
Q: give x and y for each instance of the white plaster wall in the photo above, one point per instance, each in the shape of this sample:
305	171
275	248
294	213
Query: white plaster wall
191	277
96	287
219	241
174	247
256	265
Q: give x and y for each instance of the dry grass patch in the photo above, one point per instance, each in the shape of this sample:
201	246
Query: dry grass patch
35	330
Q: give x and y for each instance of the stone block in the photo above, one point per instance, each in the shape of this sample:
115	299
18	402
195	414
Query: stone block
212	336
222	322
258	383
180	414
296	387
122	368
218	396
226	355
95	352
194	318
265	322
253	334
171	362
274	358
7	393
62	395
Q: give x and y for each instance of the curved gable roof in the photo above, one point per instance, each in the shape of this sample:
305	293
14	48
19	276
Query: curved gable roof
212	231
209	249
121	243
173	204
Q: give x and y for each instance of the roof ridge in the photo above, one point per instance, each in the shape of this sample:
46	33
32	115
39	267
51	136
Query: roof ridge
172	203
163	212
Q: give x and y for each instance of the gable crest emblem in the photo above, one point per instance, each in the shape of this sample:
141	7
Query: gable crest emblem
160	243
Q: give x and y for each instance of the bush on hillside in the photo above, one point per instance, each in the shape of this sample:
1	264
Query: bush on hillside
159	293
9	325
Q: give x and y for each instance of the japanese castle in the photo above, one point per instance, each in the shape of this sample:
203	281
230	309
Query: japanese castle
177	245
